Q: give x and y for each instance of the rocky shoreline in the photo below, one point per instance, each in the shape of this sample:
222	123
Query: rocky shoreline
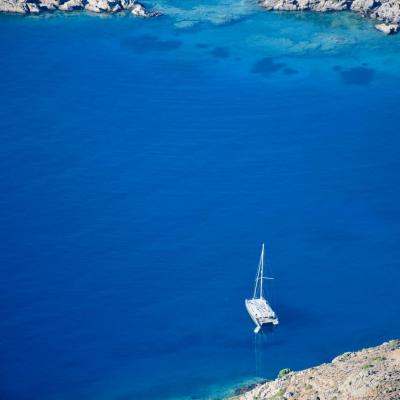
387	11
95	6
369	374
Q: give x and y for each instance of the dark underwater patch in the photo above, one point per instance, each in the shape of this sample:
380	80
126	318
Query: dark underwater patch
267	66
147	43
358	75
290	71
337	67
221	52
202	45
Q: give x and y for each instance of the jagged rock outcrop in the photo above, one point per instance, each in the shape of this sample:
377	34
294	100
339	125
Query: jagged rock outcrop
302	5
96	6
14	6
387	29
387	11
370	374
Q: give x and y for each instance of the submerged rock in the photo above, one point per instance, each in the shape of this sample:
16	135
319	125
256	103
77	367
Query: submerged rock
384	10
96	6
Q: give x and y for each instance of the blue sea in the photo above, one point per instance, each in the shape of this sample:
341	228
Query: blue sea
142	164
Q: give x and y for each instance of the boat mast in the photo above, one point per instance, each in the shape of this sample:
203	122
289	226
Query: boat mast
260	275
262	272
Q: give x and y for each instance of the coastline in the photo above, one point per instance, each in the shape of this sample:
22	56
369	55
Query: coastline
367	374
94	6
90	97
385	12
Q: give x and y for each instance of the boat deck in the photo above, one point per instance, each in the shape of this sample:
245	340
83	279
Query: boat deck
261	312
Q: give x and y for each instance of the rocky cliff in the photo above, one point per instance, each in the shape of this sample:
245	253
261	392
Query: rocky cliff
370	374
97	6
387	11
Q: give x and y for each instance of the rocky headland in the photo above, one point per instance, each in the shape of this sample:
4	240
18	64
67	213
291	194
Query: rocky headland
369	374
387	11
96	6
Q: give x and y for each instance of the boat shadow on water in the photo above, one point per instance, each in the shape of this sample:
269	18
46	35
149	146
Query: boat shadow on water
266	330
291	317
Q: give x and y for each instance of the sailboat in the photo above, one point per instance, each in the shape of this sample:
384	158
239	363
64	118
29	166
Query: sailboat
258	307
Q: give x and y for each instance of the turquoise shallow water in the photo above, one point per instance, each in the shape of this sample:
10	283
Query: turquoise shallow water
142	162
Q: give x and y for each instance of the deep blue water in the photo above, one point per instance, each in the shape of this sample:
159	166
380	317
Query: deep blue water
143	162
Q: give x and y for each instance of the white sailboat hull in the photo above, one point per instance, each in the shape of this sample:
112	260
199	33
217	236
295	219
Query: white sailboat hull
258	308
261	313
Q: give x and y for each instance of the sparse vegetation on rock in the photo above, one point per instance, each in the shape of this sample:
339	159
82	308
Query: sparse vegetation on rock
369	374
284	372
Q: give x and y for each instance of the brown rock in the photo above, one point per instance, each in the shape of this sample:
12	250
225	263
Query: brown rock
370	374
